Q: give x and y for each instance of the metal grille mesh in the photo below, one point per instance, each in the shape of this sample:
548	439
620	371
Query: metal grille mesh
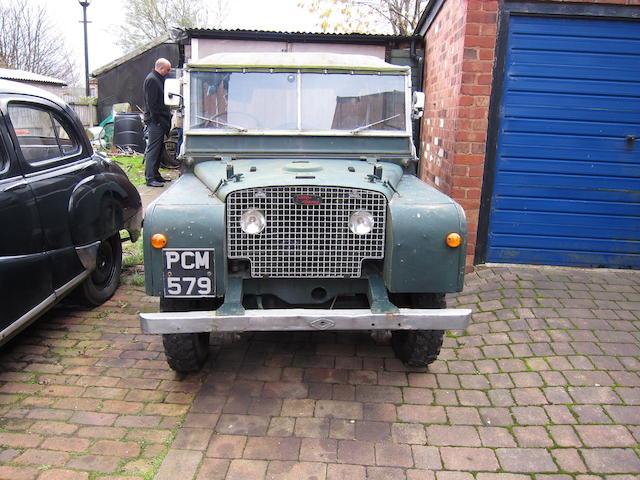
306	240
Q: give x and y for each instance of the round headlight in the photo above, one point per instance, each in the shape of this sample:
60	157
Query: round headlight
361	222
252	222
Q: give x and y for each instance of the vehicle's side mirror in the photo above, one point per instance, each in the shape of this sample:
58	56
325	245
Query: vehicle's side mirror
417	108
172	96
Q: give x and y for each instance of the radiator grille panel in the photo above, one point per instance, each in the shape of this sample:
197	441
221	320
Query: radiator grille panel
305	241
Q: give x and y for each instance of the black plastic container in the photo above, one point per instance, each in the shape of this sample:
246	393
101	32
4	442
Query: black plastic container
128	132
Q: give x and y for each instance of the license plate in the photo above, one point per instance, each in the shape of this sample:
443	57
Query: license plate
188	272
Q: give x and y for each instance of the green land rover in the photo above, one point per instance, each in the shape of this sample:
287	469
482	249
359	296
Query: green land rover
298	209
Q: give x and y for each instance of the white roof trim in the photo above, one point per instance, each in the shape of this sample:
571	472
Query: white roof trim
17	75
296	59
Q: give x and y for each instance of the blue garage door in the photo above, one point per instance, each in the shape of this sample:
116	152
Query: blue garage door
567	178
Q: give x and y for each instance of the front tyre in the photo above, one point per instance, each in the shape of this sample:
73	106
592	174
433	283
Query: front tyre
418	348
104	279
186	352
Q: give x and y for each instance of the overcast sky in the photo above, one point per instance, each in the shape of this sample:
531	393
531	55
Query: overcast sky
104	15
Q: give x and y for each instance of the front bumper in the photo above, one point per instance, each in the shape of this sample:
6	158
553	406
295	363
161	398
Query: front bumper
305	319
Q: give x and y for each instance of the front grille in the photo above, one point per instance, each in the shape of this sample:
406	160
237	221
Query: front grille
311	241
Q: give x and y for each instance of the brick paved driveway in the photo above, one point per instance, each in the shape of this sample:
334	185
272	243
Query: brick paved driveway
543	385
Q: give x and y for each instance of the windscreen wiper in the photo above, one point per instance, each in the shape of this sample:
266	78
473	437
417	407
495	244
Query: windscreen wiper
225	124
364	127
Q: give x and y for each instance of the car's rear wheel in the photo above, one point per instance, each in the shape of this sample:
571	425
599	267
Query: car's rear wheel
186	352
104	279
418	348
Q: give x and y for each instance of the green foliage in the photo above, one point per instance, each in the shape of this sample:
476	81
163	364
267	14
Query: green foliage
133	167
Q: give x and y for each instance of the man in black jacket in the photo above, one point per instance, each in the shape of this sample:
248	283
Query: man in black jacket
157	117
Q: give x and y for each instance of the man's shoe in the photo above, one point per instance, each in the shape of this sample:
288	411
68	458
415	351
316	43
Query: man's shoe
162	179
154	183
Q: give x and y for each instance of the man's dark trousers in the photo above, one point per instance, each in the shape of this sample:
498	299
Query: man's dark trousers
152	152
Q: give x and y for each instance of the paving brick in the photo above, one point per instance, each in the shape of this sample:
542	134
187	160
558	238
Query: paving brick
624	414
346	472
62	474
121	449
94	463
357	453
226	446
242	425
247	470
605	436
372	431
380	412
273	448
285	390
462	458
590	414
533	460
611	460
318	450
65	444
213	469
42	457
278	470
338	409
312	427
110	433
496	437
378	394
281	427
569	460
535	436
463	436
421	414
391	455
179	464
408	433
19	440
93	418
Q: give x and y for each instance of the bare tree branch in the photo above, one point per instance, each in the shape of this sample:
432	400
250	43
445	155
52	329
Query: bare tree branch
149	19
399	17
29	41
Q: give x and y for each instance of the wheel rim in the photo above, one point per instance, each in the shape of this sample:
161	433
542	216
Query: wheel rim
105	263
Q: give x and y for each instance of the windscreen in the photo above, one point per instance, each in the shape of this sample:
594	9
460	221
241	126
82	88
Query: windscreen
302	101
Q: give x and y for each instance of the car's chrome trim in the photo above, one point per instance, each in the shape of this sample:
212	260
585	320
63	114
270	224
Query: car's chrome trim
26	319
70	285
306	319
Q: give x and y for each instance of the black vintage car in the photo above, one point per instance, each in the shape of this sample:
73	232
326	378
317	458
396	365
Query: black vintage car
62	208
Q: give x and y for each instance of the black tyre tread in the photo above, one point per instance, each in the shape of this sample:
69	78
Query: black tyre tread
417	348
92	295
186	352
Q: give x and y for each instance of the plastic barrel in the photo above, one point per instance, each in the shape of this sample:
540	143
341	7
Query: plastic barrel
128	132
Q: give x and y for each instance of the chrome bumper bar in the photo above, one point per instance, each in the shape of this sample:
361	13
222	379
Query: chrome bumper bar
305	319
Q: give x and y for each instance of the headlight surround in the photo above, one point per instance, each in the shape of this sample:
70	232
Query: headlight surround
252	222
361	222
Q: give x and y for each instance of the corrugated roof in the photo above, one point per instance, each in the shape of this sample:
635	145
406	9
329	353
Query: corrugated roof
297	35
180	35
23	75
132	54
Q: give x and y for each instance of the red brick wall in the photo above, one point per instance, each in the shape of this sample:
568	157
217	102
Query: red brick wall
459	54
459	58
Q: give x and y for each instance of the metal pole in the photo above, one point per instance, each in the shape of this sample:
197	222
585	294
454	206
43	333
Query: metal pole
86	51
